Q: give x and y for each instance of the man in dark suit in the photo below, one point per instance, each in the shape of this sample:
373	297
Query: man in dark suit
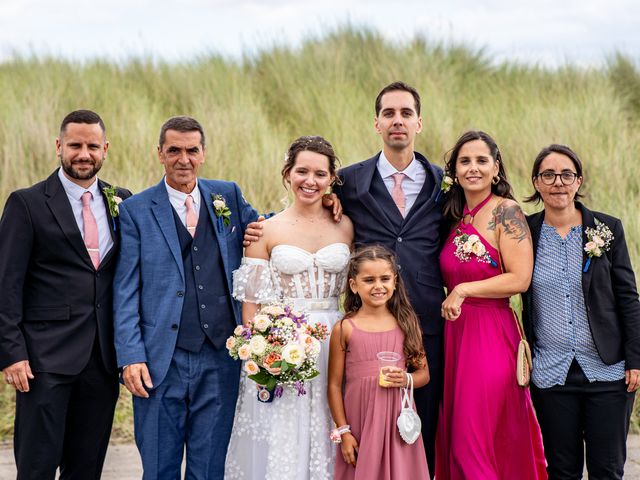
181	241
391	198
57	256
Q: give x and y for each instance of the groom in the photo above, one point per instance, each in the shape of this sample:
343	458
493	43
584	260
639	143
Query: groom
181	240
391	198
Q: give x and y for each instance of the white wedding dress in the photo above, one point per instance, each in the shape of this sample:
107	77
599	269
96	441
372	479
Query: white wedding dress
288	439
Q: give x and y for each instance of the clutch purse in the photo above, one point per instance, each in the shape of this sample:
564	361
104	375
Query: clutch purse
523	358
409	424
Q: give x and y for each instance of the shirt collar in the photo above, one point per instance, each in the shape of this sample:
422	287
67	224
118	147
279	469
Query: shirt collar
180	197
74	190
386	169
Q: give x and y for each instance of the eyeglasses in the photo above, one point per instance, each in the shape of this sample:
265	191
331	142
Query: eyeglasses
549	178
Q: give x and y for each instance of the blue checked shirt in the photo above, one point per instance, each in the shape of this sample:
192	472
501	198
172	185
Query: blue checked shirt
559	316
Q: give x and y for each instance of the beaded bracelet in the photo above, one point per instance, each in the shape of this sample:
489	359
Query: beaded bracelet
336	434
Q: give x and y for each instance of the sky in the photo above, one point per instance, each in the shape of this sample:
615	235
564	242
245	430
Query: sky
545	32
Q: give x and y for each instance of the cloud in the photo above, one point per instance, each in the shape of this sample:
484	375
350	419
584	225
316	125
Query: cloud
542	30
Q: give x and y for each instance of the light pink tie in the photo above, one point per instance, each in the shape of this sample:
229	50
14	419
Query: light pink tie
192	218
90	230
397	193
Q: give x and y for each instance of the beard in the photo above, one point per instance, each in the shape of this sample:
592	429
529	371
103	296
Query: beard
69	168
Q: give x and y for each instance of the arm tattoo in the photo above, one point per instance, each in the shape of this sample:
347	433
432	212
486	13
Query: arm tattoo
512	220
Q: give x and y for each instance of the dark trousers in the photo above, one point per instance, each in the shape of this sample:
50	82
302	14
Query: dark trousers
581	415
193	407
428	398
65	421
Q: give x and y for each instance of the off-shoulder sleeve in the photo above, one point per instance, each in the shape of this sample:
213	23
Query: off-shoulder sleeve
252	282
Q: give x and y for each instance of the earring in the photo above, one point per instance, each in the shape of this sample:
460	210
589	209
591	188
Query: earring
496	180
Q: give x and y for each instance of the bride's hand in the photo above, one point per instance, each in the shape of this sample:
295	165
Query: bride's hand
452	305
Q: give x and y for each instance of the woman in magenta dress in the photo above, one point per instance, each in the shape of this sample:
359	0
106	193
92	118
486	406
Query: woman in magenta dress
487	427
379	318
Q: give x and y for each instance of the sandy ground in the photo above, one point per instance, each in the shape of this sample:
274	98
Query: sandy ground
123	462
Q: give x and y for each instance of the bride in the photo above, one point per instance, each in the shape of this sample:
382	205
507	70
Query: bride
300	259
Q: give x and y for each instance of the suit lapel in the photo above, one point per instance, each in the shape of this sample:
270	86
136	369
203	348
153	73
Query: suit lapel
112	221
535	225
163	213
112	226
61	209
218	226
367	170
427	196
588	221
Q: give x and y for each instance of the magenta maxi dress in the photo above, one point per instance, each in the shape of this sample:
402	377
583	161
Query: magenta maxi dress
372	412
487	428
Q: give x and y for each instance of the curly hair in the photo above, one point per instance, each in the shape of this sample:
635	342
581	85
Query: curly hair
310	143
398	304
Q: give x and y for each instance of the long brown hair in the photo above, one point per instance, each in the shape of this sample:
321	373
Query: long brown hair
455	199
398	304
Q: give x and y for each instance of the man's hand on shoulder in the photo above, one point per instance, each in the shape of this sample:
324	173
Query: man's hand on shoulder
253	232
331	201
18	375
136	377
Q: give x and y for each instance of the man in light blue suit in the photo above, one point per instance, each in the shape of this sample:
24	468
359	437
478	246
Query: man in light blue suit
181	241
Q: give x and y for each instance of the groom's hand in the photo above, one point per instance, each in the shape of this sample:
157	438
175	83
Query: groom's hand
136	377
18	375
253	232
331	200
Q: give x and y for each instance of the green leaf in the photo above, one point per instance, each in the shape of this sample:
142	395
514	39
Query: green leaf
262	377
271	384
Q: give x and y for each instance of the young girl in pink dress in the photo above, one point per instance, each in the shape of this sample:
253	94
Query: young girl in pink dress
378	318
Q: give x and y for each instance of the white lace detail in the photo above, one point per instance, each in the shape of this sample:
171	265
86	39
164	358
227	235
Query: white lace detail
288	439
297	273
252	282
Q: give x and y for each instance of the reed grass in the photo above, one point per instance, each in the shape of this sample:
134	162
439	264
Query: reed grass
254	107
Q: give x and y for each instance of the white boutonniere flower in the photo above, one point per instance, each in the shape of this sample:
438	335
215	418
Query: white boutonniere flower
598	241
220	208
113	200
446	183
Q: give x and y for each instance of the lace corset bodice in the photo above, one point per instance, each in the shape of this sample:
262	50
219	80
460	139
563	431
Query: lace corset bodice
292	272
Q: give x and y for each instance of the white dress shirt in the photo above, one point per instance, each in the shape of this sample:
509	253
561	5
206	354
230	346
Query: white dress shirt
411	185
177	199
74	193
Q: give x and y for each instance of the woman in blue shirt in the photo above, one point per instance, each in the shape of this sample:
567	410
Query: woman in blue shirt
582	317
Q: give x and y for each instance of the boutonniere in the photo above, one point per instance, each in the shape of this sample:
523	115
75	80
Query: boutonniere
467	245
446	183
598	241
220	209
113	200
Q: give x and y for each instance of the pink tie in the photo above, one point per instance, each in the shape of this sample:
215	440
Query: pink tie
90	230
397	193
192	218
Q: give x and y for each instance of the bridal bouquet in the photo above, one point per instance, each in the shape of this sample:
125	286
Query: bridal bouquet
279	349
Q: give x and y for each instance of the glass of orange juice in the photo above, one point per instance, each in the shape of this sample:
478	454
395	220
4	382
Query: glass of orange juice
388	361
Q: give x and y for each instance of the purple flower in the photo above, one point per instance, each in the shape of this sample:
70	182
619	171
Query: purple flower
278	391
299	386
246	333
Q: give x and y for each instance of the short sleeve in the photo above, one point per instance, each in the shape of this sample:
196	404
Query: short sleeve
252	282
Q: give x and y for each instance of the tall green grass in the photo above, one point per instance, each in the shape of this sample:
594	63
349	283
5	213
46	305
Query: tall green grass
253	108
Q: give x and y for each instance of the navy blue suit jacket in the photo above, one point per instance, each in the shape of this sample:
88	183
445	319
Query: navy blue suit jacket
416	239
149	282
